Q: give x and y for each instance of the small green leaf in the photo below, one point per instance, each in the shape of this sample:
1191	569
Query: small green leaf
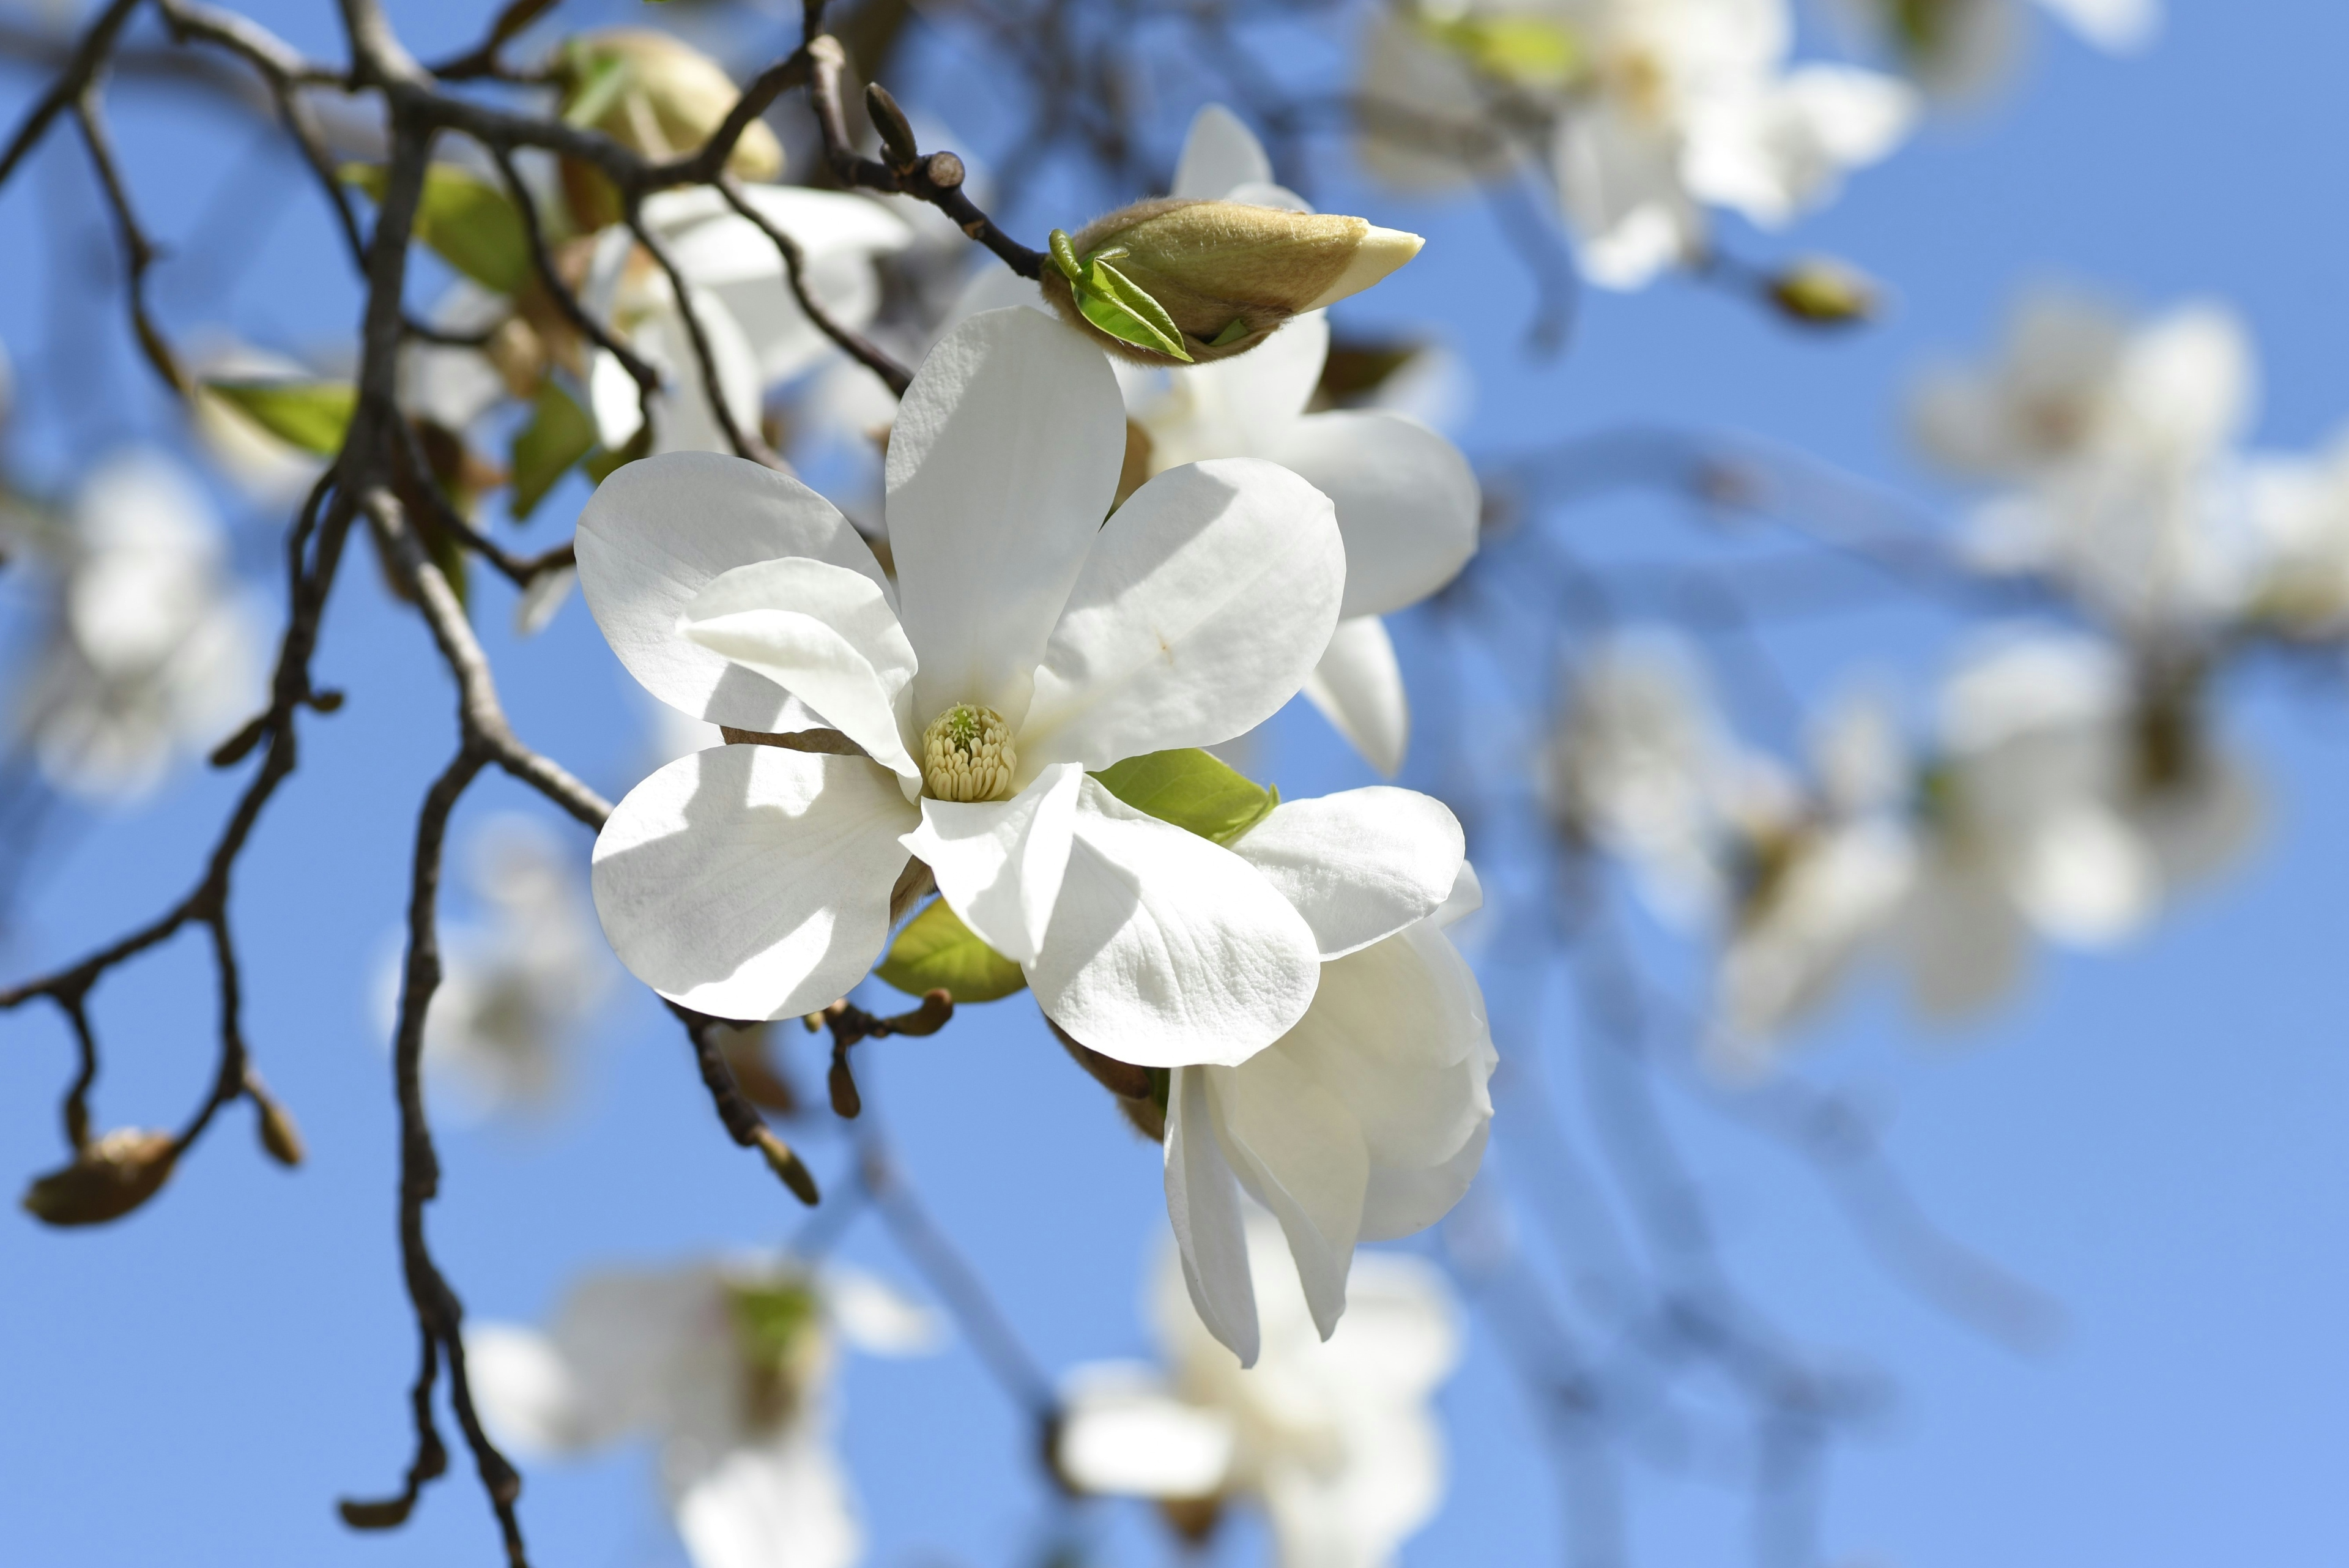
1234	331
608	77
312	415
1192	790
1065	256
1142	304
936	950
465	221
559	434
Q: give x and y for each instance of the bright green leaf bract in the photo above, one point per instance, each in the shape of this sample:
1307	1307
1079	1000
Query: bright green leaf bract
466	221
559	434
312	415
936	950
1192	790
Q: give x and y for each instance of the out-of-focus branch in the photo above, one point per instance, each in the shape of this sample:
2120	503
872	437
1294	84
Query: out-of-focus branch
81	69
138	252
747	443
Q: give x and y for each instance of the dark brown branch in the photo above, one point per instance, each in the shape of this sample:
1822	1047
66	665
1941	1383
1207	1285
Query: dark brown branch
855	345
747	443
82	70
936	179
740	1118
520	570
850	1024
482	59
138	252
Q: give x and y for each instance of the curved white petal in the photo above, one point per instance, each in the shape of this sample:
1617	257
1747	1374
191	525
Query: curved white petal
752	882
1241	407
638	1346
877	1318
2083	876
1299	1150
1358	687
1407	501
781	1504
1359	864
524	1389
1165	949
1206	604
1121	1434
823	633
1203	1200
1220	153
1003	464
658	531
998	864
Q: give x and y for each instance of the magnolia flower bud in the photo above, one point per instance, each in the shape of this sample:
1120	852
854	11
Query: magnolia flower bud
1820	291
106	1179
651	93
1174	282
280	1139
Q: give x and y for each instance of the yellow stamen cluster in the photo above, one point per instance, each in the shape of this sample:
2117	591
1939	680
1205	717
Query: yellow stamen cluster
967	754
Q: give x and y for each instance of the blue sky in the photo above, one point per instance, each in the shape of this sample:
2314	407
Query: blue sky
2149	1137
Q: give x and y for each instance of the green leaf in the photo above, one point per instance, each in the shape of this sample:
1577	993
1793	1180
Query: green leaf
1143	305
465	221
312	415
936	950
1192	790
1065	256
559	434
608	77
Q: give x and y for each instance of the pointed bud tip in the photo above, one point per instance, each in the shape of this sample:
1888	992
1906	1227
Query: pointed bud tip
1380	252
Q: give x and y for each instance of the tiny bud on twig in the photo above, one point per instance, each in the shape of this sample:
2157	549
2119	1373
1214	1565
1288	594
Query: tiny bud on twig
237	747
945	171
105	1180
280	1139
846	1103
889	121
1820	291
789	1166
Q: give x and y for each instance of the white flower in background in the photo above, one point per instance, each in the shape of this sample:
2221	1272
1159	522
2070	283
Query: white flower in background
2298	510
156	652
728	1367
2120	445
1660	109
518	986
741	296
1334	1440
1815	874
1406	500
1023	642
1367	1121
1635	767
2020	823
1952	47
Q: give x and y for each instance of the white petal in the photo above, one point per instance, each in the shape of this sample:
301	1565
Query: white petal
1003	464
1358	687
655	532
823	633
998	864
1203	1200
2085	878
1467	897
1242	407
752	882
1165	949
1220	152
615	400
1298	1151
1407	501
876	1317
1206	604
1360	865
783	1504
1121	1434
523	1388
2119	25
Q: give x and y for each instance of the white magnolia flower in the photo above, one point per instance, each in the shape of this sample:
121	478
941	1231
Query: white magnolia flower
1636	766
518	986
1817	872
1366	1121
728	1367
2298	511
1660	109
740	296
2119	444
156	652
1332	1438
1406	500
2068	798
1023	642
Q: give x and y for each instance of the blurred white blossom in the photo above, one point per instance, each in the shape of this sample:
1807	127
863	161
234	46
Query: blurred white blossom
1953	48
155	651
1659	109
519	984
728	1367
1334	1440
